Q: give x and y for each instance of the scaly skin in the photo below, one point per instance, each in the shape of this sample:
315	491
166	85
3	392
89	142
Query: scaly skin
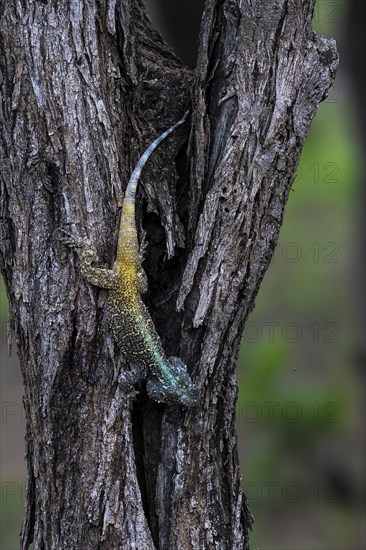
128	318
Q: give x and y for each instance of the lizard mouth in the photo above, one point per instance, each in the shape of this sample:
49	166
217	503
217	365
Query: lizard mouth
190	398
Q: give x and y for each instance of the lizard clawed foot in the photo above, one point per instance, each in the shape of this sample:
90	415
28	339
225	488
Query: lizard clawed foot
88	252
128	379
75	241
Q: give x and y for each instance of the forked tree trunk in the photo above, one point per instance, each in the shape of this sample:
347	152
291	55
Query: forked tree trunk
86	85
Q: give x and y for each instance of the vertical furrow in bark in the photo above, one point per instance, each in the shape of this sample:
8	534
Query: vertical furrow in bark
86	86
266	74
65	158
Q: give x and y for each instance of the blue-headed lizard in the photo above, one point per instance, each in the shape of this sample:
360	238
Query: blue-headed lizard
128	318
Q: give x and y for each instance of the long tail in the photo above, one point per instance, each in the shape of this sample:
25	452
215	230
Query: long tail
127	249
132	184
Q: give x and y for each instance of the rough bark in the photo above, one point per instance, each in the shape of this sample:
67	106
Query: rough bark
86	85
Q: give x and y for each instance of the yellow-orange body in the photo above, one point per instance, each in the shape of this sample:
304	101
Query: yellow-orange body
128	318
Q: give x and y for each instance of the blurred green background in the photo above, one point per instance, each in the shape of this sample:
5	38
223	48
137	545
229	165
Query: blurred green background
300	412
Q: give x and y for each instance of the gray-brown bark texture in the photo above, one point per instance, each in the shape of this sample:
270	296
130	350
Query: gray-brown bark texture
85	86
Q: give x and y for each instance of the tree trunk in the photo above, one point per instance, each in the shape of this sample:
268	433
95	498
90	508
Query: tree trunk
86	86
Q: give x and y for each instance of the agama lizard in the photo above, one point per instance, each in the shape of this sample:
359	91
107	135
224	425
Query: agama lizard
128	318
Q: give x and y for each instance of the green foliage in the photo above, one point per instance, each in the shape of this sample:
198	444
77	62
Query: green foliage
299	392
3	301
11	511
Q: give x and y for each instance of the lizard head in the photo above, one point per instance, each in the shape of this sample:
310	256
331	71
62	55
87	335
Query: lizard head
187	393
175	388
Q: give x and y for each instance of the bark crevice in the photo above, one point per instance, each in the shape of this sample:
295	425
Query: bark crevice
85	87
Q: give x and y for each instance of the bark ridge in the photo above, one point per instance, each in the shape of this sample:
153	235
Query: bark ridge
85	86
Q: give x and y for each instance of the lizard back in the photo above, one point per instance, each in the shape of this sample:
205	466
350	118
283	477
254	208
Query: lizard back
129	319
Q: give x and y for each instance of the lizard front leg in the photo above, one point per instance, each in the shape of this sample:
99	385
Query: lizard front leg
100	277
128	379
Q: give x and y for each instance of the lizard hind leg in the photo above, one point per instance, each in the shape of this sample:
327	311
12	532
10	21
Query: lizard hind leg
141	275
142	280
100	277
143	245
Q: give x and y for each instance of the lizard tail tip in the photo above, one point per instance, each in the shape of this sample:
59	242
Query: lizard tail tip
184	117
